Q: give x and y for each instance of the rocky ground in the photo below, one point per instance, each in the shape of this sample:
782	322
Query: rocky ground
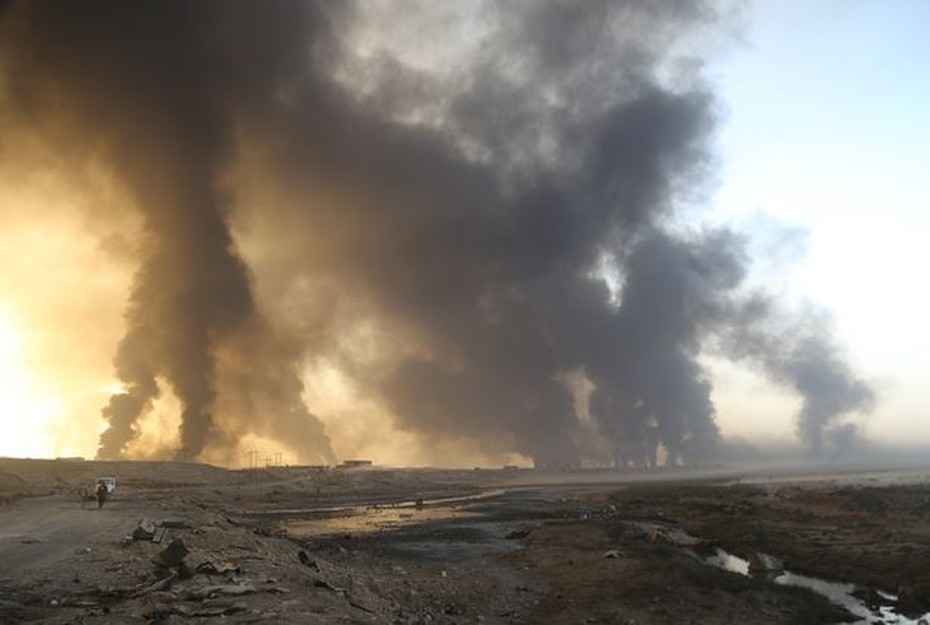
187	543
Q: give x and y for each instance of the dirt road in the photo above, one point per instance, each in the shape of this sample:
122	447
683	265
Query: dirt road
42	534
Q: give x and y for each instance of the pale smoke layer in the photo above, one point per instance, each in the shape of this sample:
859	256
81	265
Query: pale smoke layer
464	208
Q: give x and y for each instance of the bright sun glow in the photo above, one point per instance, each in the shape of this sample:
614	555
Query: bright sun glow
25	410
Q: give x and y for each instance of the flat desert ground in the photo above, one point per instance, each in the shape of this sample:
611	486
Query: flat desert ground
191	543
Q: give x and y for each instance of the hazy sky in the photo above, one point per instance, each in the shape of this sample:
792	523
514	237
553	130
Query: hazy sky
828	139
819	150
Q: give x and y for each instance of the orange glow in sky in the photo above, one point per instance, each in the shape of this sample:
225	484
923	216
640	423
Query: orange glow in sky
27	408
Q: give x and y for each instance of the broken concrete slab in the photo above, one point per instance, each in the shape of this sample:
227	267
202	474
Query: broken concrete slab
172	555
177	524
144	530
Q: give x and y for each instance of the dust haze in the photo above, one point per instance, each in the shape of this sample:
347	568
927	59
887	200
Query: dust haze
462	224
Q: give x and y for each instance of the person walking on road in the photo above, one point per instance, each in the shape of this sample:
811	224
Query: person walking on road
102	493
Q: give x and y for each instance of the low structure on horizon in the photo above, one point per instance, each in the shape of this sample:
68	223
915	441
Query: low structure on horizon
355	464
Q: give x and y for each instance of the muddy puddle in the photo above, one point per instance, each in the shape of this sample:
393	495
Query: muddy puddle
381	517
880	609
839	593
452	541
445	529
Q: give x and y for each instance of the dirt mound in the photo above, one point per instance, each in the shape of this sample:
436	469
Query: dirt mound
70	474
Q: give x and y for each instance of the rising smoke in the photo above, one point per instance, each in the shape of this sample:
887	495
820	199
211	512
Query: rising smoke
503	217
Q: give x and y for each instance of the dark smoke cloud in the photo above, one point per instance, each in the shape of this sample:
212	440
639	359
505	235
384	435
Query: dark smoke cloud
799	351
148	89
650	385
466	213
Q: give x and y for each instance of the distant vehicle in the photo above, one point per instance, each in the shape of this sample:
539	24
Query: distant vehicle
108	481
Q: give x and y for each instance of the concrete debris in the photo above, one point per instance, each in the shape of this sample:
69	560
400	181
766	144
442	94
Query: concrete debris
145	530
176	524
172	555
306	561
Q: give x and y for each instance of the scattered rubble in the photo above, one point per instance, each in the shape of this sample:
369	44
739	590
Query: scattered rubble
171	556
561	556
145	530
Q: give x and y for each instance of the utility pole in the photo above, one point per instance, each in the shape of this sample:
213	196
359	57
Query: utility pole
253	464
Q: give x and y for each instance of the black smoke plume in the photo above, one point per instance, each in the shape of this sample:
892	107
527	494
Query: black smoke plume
502	220
799	351
150	90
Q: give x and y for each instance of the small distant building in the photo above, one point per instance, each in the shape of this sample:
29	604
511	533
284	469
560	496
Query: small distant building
355	464
318	468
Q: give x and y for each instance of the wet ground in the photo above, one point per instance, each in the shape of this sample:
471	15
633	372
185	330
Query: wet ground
409	546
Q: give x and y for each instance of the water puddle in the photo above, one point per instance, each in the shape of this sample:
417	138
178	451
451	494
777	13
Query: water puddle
459	499
380	517
729	562
454	541
839	593
362	509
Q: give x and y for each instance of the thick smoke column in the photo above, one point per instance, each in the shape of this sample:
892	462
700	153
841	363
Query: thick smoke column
650	387
799	352
147	88
504	219
191	293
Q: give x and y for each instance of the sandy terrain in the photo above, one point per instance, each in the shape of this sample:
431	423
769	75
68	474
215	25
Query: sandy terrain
355	546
